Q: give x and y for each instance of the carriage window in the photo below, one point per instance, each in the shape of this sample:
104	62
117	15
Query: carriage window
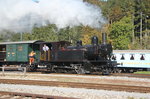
132	57
122	57
114	57
20	48
142	57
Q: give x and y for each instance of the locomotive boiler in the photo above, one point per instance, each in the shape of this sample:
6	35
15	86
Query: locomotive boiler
95	51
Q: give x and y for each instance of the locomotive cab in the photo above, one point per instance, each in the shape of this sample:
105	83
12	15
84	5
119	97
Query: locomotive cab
45	51
49	50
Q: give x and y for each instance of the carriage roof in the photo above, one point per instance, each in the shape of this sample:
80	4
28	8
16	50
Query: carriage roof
131	51
21	42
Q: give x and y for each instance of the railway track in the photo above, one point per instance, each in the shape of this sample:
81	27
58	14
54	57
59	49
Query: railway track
115	74
44	71
16	95
127	88
97	74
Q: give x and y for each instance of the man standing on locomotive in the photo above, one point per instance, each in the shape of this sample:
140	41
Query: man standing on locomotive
46	49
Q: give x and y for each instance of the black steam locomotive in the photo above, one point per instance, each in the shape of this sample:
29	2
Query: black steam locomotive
60	56
81	58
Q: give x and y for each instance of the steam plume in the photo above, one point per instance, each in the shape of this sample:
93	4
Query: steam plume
22	15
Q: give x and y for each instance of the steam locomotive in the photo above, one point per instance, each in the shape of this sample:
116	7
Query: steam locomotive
61	57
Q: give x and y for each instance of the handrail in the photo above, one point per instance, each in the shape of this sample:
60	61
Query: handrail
22	68
2	51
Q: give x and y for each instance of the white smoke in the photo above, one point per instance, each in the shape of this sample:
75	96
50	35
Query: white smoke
23	15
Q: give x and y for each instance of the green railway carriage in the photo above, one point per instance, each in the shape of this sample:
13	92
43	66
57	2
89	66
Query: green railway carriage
15	52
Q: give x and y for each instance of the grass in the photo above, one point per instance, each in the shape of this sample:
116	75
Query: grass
130	98
142	72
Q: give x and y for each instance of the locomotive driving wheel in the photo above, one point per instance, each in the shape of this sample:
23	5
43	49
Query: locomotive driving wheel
87	66
30	68
80	70
83	68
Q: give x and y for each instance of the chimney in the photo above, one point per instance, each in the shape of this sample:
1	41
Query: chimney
103	38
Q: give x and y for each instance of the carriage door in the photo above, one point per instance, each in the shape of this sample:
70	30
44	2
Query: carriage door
11	52
22	52
2	53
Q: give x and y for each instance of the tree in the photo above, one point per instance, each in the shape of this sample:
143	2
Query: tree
15	37
51	33
71	34
27	36
120	33
6	36
142	20
1	37
45	33
88	33
115	10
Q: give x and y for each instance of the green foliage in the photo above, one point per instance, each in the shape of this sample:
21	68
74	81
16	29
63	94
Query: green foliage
120	33
142	72
142	24
87	33
16	37
6	36
46	33
27	36
130	98
51	33
115	10
1	37
70	34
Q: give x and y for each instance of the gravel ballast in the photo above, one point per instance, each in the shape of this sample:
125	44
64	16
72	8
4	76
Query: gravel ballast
77	92
73	92
116	80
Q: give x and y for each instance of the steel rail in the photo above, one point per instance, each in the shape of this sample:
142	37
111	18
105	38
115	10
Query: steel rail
127	88
10	95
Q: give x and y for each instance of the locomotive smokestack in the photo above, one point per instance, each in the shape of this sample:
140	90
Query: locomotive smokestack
79	43
94	40
103	38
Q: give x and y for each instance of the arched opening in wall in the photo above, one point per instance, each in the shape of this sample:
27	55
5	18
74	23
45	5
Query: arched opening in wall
132	57
142	57
122	57
114	57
